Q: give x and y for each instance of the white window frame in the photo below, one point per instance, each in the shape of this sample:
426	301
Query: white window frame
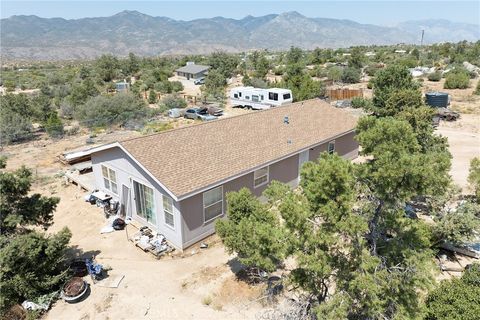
154	202
255	177
165	212
212	204
328	147
110	181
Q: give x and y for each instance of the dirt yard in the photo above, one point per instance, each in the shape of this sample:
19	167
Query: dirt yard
464	134
199	284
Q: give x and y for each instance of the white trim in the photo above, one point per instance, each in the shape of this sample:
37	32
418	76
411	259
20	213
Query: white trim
171	213
109	179
221	182
118	145
263	183
154	203
203	205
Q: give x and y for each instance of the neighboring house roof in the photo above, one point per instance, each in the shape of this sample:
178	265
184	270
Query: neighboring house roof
193	68
193	158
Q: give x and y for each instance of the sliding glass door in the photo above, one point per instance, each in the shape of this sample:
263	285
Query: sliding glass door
144	202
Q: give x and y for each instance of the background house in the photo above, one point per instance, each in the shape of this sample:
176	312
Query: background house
192	71
175	181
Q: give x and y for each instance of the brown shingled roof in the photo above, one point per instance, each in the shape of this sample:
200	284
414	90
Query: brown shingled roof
195	157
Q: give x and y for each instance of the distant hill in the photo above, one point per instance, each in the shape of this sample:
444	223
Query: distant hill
32	37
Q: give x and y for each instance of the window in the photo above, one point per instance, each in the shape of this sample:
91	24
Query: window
240	94
286	96
260	177
247	97
331	147
261	97
235	95
255	98
144	202
109	179
273	96
212	204
168	211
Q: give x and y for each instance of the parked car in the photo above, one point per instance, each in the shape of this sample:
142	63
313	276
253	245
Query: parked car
199	81
175	113
195	113
212	110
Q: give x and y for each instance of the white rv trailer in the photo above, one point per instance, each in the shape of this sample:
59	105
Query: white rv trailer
259	99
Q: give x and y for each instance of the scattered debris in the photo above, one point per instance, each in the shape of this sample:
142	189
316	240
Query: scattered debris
110	282
41	303
343	104
156	244
203	245
447	114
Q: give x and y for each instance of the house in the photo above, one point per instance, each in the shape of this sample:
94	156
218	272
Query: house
176	181
192	71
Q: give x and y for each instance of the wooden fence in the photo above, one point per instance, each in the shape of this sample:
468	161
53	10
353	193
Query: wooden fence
344	94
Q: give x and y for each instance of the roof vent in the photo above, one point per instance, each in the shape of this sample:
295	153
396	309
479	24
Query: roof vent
285	120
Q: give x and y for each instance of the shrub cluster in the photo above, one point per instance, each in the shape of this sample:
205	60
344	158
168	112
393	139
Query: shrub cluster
457	80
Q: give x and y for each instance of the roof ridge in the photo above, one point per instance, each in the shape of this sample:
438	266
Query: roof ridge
223	119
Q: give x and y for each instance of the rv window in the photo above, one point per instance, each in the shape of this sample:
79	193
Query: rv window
235	96
261	97
254	98
240	94
247	97
286	96
273	96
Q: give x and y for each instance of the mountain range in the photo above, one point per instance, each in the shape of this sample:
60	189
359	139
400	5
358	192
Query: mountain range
35	38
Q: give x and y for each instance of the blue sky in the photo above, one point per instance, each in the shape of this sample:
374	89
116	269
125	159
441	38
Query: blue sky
385	12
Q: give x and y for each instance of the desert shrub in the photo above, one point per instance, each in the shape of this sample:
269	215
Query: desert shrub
173	101
372	69
104	110
16	116
278	71
258	83
477	90
54	126
360	103
177	86
152	96
370	84
351	75
457	80
434	76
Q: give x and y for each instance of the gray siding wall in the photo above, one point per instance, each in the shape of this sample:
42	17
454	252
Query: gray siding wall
194	229
127	171
346	146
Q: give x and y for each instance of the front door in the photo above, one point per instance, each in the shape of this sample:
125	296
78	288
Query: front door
302	158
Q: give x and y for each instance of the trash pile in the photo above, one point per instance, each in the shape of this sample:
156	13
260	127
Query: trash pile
156	244
114	223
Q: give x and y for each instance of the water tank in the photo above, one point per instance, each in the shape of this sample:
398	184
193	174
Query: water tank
437	99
